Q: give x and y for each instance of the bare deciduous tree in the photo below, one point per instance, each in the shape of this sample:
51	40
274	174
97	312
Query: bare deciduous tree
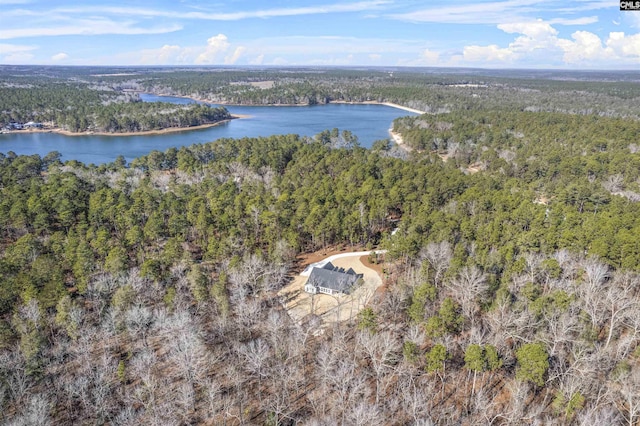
364	414
439	256
380	348
599	416
138	319
519	391
257	275
469	288
532	263
618	300
185	402
126	417
213	396
255	355
614	183
627	387
13	371
590	290
188	354
36	412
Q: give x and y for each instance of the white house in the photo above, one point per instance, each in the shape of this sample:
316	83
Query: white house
331	279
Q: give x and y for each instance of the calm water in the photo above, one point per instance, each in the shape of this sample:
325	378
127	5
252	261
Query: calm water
368	122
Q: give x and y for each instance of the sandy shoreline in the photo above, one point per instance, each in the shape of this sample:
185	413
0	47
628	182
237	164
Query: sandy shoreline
143	133
417	111
397	138
389	104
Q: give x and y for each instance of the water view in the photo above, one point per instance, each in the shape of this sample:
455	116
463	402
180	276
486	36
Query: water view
368	122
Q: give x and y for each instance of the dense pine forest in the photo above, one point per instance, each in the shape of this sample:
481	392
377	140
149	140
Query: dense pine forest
148	293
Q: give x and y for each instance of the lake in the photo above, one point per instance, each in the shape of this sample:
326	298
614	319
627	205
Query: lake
368	122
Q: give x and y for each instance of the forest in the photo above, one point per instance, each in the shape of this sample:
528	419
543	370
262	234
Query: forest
147	293
101	99
78	106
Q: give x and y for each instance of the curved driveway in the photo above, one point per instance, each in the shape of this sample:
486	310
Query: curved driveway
320	264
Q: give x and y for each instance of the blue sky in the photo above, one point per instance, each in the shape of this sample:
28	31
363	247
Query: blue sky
492	34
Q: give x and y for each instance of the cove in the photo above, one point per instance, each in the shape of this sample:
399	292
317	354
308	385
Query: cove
369	122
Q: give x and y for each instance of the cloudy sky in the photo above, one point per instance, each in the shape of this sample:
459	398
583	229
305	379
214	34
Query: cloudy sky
492	34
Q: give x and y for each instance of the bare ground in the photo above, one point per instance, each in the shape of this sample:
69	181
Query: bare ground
333	308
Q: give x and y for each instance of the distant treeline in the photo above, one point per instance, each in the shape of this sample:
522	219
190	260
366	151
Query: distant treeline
79	107
80	99
426	91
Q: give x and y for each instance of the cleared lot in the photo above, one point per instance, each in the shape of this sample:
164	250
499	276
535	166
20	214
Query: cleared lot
332	308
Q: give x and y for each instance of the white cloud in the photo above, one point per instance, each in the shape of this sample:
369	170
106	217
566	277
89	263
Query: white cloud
586	46
310	10
14	48
489	53
60	57
625	46
316	46
231	16
430	57
94	26
215	46
539	45
335	50
258	60
584	5
333	61
634	17
477	13
421	57
17	58
18	13
536	36
232	59
495	12
16	53
586	20
279	61
532	29
166	55
211	53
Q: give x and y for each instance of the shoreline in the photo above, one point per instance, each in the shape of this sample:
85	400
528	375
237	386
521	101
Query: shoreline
399	141
395	136
416	111
389	104
168	130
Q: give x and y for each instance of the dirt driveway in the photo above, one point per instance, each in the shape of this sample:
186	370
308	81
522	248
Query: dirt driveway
332	308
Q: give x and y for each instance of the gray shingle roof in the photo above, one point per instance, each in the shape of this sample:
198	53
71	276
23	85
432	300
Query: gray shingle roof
334	278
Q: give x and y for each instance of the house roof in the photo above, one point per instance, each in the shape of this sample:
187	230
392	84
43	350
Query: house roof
334	278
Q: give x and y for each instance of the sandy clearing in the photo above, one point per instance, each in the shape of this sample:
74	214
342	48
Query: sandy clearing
332	259
474	168
333	308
